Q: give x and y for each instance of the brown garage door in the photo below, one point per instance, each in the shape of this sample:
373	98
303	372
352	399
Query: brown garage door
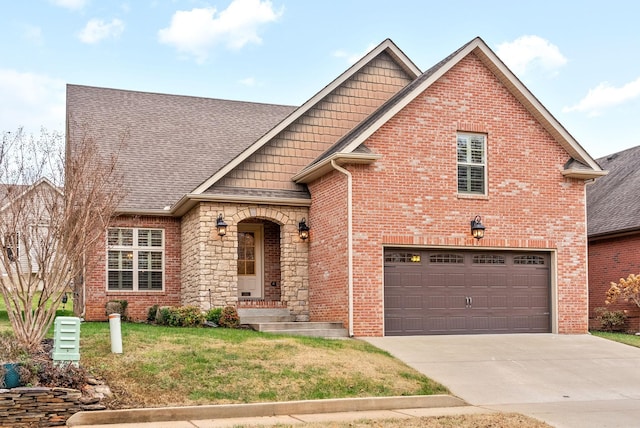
466	292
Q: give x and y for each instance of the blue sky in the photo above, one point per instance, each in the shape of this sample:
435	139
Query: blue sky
580	58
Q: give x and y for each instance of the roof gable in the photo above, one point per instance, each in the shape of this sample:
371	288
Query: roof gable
386	46
360	134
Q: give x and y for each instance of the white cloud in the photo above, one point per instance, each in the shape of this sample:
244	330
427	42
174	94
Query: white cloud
97	30
352	58
197	31
31	100
604	95
70	4
249	81
531	51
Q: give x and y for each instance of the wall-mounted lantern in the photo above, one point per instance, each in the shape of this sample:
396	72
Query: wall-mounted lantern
477	229
303	229
221	226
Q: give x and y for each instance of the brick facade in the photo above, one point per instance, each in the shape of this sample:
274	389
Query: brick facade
610	260
139	302
409	196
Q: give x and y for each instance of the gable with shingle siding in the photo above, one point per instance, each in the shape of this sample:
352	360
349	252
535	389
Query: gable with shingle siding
273	165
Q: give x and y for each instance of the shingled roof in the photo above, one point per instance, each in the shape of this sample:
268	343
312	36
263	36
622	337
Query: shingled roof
173	142
613	201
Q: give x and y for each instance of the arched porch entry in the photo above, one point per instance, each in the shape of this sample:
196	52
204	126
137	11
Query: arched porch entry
272	260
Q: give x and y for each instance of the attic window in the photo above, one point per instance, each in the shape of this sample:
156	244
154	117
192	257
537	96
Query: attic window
472	164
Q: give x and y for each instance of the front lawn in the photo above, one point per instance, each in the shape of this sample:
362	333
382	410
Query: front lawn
163	366
629	339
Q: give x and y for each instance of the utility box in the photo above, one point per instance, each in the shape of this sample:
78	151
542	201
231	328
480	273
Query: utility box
66	339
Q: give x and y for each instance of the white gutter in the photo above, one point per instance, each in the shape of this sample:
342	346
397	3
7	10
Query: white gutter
349	238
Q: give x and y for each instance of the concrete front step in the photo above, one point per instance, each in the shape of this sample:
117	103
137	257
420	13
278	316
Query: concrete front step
312	329
259	315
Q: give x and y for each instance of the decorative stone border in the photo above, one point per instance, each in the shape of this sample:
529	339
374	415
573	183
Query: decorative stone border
41	407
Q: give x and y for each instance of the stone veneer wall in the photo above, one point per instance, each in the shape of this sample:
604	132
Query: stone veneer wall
38	407
209	262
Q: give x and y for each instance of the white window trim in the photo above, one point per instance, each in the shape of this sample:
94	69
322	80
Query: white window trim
484	164
135	248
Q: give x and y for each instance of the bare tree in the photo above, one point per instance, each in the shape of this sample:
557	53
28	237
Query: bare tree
55	204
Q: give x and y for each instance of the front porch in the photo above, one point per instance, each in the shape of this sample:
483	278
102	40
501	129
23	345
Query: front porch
259	263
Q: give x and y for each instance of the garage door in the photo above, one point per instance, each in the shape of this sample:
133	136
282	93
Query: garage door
466	292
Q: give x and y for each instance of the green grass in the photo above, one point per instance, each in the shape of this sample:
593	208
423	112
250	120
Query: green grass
628	339
163	366
187	366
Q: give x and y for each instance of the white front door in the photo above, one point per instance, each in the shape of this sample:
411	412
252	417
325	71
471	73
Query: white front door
250	261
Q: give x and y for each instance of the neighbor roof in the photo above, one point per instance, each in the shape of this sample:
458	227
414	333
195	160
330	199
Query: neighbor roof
172	143
613	201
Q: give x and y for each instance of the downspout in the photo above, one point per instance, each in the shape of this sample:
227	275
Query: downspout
349	239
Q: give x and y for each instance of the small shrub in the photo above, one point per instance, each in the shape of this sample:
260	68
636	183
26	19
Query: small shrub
611	320
229	318
213	315
182	316
117	307
151	313
60	375
10	349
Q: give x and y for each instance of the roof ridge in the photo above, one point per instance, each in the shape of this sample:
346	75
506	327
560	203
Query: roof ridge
164	94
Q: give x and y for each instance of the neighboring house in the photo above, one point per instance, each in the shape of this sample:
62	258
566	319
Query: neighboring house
23	217
613	213
387	166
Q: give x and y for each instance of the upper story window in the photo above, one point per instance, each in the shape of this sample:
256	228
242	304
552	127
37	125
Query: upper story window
472	164
135	259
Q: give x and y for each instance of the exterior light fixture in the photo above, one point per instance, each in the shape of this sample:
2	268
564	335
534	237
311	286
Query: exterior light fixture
221	226
303	229
477	229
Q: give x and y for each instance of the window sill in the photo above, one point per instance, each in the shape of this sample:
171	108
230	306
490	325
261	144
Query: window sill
472	196
135	292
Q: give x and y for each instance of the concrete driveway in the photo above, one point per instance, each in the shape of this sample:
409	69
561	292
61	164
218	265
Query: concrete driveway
577	381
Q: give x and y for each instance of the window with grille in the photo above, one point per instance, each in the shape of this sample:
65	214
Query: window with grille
528	260
488	259
402	257
472	164
135	259
446	258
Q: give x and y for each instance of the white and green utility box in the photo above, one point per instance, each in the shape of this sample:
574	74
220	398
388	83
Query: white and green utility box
66	339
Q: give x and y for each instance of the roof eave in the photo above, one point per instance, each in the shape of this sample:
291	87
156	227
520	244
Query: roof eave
386	45
321	168
583	174
190	200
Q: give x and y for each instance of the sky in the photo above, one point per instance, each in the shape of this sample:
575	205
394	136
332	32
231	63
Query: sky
580	58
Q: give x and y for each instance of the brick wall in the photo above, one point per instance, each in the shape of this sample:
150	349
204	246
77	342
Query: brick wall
409	196
610	260
328	269
139	301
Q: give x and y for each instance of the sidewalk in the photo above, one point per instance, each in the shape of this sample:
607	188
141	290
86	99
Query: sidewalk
293	412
